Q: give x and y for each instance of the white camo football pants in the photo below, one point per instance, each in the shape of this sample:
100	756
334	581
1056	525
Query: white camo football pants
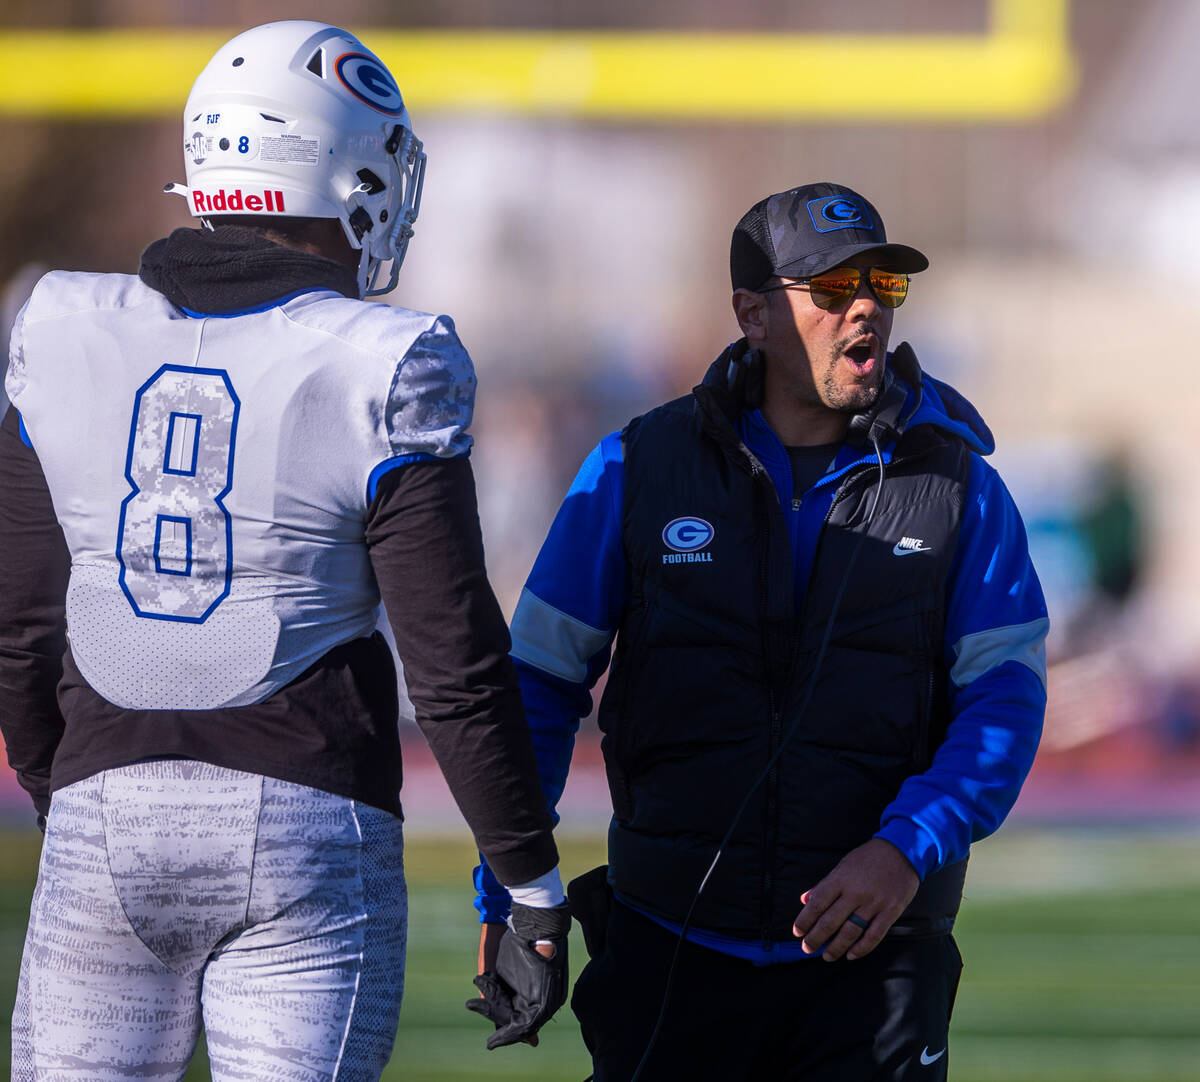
173	894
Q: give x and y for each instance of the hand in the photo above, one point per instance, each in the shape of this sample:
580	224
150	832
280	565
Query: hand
875	883
489	947
489	943
529	981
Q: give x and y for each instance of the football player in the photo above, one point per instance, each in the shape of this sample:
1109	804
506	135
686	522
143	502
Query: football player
214	470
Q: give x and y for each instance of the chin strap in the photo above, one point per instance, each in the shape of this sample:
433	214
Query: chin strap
366	272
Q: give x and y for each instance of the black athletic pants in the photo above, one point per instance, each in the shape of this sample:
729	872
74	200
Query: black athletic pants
883	1018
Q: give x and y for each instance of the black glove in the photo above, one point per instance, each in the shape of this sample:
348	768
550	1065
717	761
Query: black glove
526	989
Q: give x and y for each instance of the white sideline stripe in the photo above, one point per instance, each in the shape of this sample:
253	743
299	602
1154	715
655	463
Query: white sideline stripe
982	651
550	640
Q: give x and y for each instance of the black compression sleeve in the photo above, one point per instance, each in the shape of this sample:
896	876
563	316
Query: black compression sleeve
427	551
34	568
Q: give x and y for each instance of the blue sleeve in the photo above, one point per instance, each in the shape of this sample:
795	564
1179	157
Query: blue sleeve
563	628
996	627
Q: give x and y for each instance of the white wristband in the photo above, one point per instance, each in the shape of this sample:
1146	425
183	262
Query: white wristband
544	892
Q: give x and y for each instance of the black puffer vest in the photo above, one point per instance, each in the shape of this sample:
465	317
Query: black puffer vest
714	669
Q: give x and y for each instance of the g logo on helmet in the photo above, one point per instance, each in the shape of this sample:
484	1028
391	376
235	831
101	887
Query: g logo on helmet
841	212
369	81
687	534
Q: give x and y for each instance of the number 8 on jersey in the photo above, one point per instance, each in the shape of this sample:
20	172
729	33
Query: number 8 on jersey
175	536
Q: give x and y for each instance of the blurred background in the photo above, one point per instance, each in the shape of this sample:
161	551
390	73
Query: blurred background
587	163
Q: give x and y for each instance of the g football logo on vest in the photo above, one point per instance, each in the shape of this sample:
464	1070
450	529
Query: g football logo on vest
686	536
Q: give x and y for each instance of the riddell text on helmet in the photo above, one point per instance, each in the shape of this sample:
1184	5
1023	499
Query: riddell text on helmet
268	202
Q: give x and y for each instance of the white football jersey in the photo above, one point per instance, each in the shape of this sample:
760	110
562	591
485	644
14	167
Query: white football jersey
212	474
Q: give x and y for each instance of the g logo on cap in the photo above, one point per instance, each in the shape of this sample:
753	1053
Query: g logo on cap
832	212
843	212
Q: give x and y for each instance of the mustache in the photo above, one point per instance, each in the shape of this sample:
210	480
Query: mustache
843	344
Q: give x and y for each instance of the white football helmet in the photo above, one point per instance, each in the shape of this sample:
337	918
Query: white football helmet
301	119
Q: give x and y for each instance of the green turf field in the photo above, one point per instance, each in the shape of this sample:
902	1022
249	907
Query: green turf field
1082	963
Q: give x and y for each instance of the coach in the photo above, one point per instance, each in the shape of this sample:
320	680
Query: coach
829	679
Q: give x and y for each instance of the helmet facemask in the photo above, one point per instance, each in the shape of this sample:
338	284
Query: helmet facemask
380	213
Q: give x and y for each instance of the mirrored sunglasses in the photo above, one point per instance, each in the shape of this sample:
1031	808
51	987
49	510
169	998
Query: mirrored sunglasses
836	287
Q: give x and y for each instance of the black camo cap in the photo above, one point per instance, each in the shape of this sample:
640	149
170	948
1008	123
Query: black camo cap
811	229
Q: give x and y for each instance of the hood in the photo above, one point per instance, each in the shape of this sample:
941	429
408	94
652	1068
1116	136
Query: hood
232	270
929	401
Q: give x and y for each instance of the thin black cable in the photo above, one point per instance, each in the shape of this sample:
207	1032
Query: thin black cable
808	694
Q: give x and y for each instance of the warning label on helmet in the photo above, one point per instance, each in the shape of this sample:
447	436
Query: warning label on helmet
290	149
